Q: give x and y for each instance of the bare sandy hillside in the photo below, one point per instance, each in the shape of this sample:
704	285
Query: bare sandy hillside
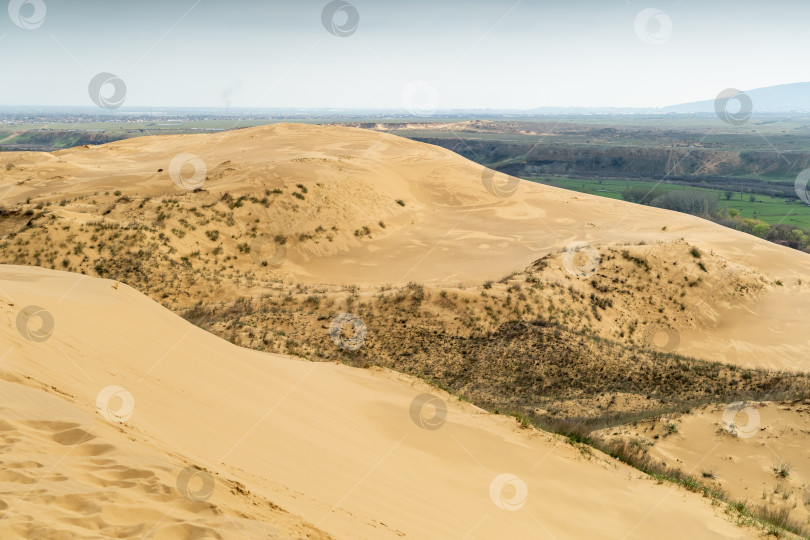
452	227
109	398
213	217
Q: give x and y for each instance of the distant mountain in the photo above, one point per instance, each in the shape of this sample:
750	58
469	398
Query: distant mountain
792	97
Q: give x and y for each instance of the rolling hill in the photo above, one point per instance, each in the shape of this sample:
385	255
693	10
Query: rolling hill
781	98
347	246
340	206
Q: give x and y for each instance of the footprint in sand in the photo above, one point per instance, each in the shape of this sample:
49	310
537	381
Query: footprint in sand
72	437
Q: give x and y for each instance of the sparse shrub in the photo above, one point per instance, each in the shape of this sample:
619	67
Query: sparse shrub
639	261
782	469
364	231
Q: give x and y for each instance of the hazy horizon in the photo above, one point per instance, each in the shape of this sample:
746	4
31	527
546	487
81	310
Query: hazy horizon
431	56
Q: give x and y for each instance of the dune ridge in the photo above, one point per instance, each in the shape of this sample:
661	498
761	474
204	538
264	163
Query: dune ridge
335	445
221	215
308	225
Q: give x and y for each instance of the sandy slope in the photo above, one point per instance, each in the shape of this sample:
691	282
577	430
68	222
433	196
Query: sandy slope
67	474
764	458
334	445
458	224
452	227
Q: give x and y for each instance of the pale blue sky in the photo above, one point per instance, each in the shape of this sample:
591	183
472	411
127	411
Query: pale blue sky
475	54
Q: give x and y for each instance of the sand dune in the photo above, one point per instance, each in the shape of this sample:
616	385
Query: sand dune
362	174
121	419
341	450
67	474
375	209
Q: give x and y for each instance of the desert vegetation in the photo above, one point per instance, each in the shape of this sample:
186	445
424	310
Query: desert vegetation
574	353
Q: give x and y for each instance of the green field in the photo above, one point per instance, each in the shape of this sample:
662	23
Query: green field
768	209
